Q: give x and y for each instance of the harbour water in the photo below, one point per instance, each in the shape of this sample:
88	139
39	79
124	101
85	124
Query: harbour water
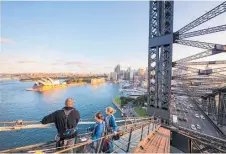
16	103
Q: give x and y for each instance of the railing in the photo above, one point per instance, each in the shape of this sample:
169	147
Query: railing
128	136
209	119
134	124
18	125
217	143
131	134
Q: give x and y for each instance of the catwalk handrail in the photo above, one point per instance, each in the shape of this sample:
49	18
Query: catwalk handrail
31	126
127	126
128	130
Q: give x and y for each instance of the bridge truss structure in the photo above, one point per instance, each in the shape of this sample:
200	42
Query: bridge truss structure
206	84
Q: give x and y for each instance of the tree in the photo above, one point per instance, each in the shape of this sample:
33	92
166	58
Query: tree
141	100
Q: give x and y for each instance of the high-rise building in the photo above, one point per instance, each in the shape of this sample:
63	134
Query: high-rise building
117	70
146	74
109	76
122	74
114	76
130	73
141	72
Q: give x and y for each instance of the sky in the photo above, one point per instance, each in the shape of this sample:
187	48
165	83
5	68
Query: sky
85	37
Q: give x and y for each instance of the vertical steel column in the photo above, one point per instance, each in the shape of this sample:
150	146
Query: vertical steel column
189	146
209	105
141	135
222	109
130	135
148	128
204	103
214	108
167	55
212	102
153	55
160	57
219	113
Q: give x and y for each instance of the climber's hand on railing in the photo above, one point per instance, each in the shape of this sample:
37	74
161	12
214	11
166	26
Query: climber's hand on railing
89	141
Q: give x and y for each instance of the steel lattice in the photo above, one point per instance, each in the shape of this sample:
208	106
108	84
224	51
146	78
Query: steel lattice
203	32
207	16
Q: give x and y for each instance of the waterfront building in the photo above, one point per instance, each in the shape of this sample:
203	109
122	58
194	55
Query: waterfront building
109	76
146	74
97	81
141	72
144	84
117	70
131	75
114	76
122	74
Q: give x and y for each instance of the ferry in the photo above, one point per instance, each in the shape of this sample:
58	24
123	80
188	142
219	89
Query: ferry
45	84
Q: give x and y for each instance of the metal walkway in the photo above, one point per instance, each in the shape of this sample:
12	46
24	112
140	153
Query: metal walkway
155	142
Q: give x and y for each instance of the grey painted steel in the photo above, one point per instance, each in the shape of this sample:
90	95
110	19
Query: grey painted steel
152	56
203	31
211	105
205	62
207	16
195	77
197	44
208	140
161	38
196	102
160	41
160	57
200	55
195	70
222	109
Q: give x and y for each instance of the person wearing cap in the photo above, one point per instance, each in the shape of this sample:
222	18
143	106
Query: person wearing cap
66	121
111	125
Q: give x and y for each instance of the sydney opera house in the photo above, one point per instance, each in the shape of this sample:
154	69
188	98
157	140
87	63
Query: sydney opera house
46	84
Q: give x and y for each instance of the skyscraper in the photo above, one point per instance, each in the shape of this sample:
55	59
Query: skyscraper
141	72
117	70
130	73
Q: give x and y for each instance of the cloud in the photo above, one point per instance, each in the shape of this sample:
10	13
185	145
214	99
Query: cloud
5	40
26	61
74	63
55	63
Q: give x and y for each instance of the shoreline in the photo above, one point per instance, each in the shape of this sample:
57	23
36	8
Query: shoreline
77	84
119	108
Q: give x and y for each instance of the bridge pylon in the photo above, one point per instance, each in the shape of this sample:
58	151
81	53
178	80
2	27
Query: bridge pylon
160	57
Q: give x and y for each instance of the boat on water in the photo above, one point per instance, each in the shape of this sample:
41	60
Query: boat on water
45	84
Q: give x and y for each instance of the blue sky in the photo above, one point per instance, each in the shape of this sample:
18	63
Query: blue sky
88	36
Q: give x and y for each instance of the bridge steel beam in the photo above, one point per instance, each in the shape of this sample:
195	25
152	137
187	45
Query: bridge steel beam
207	16
160	57
205	62
203	31
206	53
222	109
204	103
203	45
211	105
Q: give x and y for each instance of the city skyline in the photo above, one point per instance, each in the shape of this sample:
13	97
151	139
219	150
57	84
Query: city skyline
87	36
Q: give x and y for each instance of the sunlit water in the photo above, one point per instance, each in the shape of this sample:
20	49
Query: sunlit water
17	103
